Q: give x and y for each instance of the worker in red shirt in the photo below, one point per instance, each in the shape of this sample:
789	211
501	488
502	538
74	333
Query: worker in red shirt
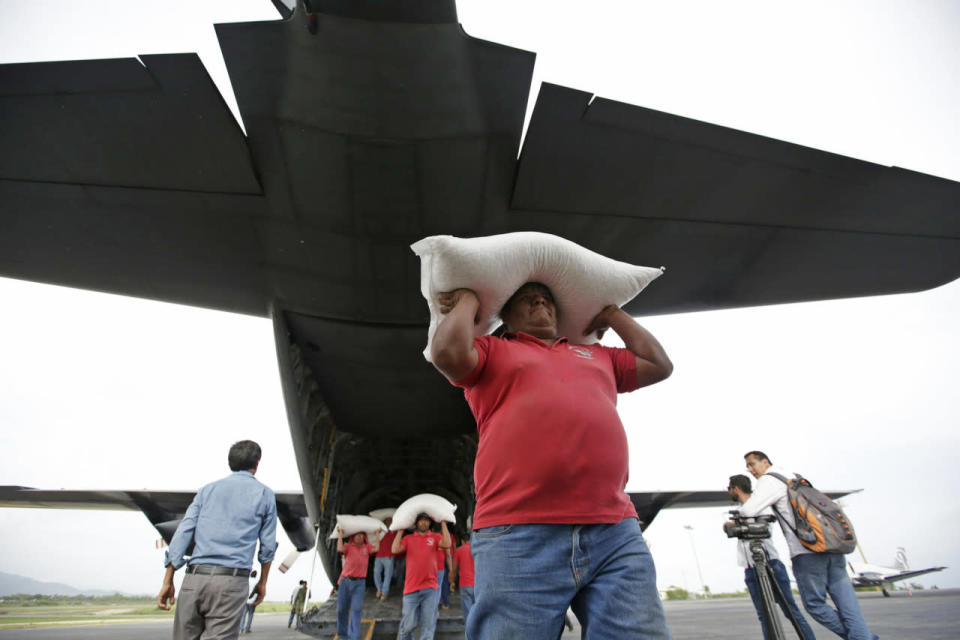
420	589
353	581
462	574
553	524
383	565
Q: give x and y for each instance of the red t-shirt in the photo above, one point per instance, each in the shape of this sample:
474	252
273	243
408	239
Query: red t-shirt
386	545
421	571
552	449
355	559
464	560
441	559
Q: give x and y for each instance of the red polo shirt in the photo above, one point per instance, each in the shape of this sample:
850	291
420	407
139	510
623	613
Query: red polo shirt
386	545
355	560
421	571
552	448
464	560
441	563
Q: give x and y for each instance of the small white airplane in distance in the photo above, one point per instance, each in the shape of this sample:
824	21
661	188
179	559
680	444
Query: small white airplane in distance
872	575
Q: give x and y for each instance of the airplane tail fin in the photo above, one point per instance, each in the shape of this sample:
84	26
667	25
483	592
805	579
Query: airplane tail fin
901	560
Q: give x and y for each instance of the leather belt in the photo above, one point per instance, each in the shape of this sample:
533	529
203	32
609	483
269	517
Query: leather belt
208	570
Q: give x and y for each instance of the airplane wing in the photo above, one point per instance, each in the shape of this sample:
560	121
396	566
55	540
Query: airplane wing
164	509
871	579
738	219
649	503
130	176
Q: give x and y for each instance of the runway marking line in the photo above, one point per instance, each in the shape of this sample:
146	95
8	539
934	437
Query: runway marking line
372	623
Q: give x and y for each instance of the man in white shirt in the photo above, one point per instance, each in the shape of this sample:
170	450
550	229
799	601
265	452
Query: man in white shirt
817	574
740	491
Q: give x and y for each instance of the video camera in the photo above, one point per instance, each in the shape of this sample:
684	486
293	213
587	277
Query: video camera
748	528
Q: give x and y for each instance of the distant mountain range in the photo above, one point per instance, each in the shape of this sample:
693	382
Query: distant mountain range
11	584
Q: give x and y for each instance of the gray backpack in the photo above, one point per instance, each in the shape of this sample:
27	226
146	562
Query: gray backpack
821	525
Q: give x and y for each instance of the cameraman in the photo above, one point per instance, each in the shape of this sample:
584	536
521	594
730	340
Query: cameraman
817	573
739	490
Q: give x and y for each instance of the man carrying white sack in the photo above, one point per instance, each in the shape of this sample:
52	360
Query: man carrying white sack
420	589
551	469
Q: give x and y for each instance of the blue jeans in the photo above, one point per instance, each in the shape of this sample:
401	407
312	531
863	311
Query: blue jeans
294	614
350	607
399	570
443	588
419	608
790	606
466	601
819	574
246	619
382	573
527	575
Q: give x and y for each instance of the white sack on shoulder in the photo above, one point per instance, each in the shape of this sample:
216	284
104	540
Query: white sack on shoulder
383	514
437	507
357	524
582	282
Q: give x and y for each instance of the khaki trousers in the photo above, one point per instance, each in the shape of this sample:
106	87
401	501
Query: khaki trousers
210	607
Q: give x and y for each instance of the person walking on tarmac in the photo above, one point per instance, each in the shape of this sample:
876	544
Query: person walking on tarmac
223	523
297	601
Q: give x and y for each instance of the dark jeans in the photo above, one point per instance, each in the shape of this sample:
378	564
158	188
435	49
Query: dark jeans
783	580
444	585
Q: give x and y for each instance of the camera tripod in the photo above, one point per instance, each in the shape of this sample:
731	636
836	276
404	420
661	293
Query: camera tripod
769	592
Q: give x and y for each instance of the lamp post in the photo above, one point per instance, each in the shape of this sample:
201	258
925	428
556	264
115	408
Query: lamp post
703	587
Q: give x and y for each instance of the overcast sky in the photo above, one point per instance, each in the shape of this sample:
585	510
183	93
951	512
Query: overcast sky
106	392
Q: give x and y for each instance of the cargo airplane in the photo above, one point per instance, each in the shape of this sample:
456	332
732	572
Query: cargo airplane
367	126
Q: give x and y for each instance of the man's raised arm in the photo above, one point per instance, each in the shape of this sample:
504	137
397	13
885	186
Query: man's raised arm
653	364
444	536
397	546
452	349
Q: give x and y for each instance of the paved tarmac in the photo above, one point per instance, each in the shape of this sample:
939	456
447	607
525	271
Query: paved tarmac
266	626
927	615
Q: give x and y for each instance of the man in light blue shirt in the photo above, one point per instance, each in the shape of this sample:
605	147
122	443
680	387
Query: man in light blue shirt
223	524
